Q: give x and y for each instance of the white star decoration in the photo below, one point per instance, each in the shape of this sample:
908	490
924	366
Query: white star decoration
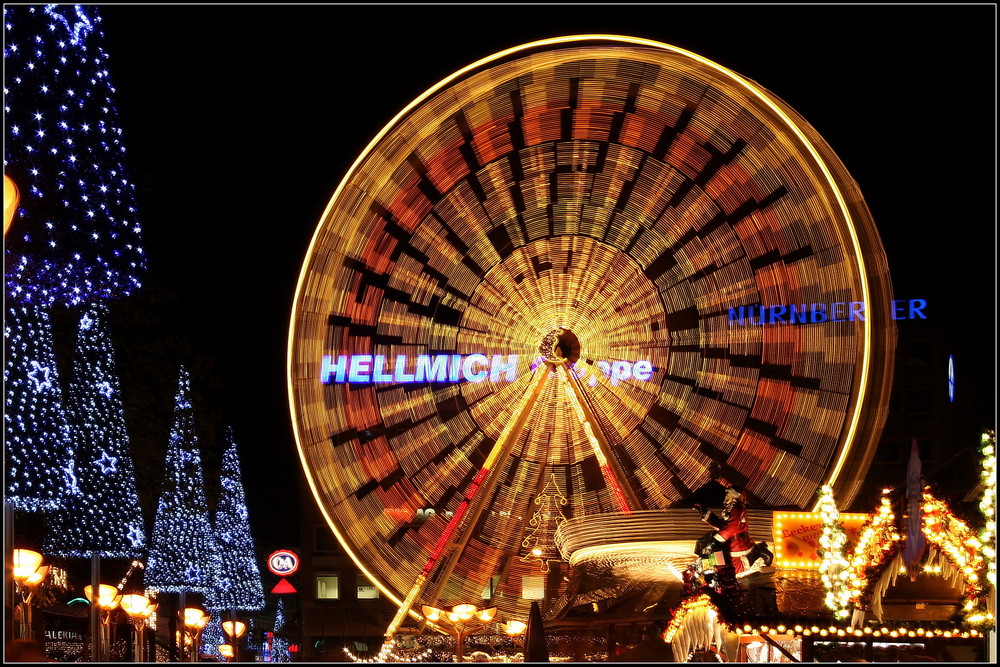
105	389
86	322
135	536
108	463
40	375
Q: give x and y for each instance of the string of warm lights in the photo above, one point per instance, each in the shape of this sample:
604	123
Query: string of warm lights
834	567
544	522
880	540
988	508
902	630
389	652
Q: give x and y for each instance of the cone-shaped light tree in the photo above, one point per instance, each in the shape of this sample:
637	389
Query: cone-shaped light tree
105	518
40	471
238	584
182	553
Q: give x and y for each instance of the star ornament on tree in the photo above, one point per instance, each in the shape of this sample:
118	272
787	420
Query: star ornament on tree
135	536
105	389
108	463
40	376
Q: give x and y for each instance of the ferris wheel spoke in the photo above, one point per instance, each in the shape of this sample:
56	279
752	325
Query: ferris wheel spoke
613	474
476	498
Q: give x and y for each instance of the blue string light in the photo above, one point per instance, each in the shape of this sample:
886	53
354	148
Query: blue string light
183	554
238	583
40	469
106	518
76	237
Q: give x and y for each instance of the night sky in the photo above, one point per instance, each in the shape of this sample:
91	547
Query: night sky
241	120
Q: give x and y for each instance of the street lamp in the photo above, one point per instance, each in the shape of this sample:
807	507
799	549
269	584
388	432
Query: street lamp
194	622
108	599
139	608
234	630
226	651
28	573
462	621
515	630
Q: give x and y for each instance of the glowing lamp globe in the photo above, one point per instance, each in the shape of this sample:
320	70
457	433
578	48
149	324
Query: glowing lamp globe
195	618
108	596
234	629
135	604
26	563
10	199
515	628
226	650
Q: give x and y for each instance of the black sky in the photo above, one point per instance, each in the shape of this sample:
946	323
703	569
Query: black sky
241	120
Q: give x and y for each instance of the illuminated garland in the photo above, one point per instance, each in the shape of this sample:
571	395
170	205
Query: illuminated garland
701	601
388	653
878	544
879	632
545	520
988	507
954	537
834	568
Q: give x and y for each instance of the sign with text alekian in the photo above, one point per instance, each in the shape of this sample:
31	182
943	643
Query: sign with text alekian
797	534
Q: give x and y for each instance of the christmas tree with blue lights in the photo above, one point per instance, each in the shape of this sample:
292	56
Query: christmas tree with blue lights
75	238
105	518
279	649
238	584
40	470
182	553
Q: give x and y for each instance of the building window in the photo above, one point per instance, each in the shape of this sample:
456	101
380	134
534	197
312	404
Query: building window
328	587
366	589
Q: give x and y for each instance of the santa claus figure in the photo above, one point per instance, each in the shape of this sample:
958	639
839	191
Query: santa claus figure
732	533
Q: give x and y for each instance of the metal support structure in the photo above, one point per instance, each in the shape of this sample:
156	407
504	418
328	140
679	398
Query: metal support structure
476	495
613	474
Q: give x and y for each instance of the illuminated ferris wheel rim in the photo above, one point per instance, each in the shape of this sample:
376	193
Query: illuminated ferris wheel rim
749	87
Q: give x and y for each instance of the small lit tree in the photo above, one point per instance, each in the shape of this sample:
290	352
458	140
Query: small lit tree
40	467
183	554
237	579
105	518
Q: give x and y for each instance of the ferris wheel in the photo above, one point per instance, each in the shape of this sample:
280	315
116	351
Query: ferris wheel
595	269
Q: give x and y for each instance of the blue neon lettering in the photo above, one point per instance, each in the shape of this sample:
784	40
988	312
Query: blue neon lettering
432	369
469	362
337	370
401	374
857	311
377	374
799	313
359	368
818	313
508	367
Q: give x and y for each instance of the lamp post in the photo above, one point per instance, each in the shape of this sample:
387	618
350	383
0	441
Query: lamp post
234	630
28	573
108	599
139	608
463	620
194	622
